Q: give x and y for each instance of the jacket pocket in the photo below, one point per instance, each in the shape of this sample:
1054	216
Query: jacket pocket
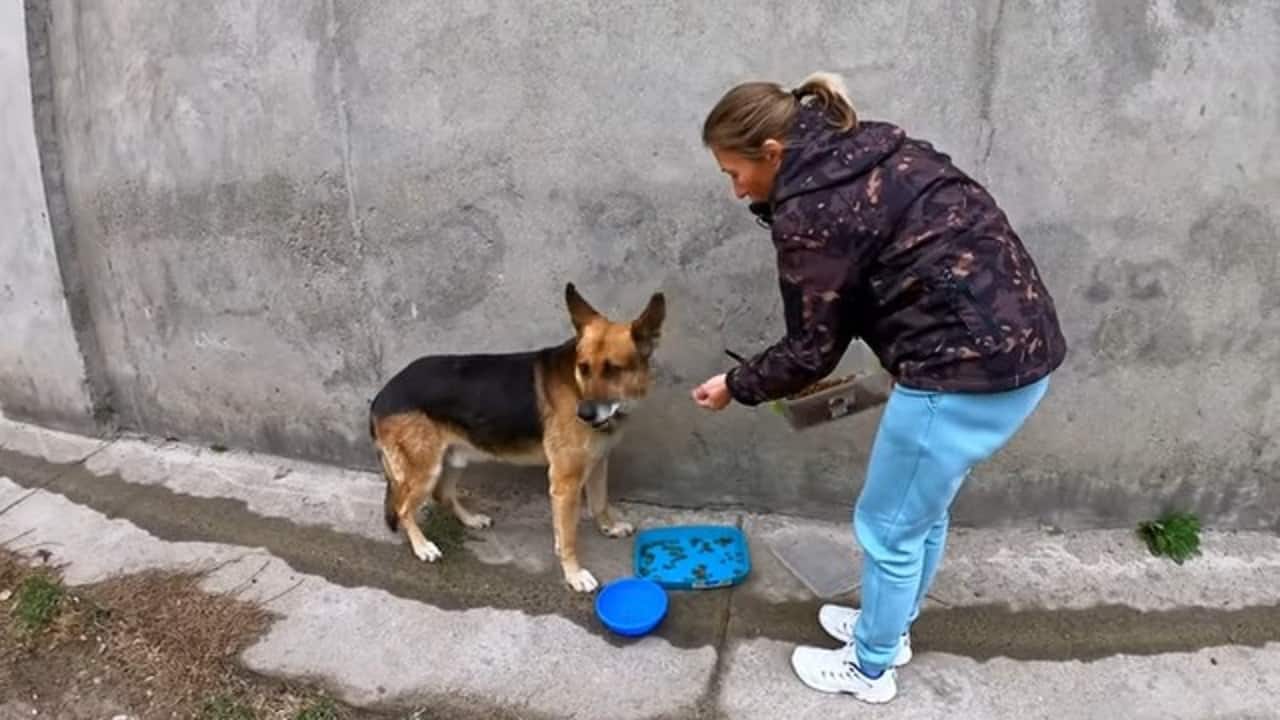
977	317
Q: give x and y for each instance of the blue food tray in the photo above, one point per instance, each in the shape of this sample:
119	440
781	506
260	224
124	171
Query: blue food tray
692	557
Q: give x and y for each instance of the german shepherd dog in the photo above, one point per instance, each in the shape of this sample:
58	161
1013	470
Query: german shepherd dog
562	407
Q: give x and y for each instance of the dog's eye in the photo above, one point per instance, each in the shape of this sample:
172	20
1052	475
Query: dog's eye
584	370
610	369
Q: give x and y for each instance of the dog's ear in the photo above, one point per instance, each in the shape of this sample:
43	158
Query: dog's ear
647	329
580	311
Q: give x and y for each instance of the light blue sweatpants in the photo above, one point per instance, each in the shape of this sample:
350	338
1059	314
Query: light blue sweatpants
926	444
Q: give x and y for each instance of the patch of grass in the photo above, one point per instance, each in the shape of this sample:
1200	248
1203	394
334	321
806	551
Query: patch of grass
323	709
178	637
38	600
151	641
1175	535
442	528
223	707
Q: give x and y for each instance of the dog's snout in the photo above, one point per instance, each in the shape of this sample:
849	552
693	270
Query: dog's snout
598	413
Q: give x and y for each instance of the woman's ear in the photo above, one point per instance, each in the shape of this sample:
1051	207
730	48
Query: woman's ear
772	151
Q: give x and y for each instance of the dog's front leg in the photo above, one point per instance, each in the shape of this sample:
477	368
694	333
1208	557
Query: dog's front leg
598	501
566	489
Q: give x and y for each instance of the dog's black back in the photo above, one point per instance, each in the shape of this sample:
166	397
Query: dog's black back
492	398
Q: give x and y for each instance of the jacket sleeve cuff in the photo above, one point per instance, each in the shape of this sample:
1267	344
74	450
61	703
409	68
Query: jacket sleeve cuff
737	392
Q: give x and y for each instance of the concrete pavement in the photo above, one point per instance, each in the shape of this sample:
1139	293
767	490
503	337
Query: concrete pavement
1024	623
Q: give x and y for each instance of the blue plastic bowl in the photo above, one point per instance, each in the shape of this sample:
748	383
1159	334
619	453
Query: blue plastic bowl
631	606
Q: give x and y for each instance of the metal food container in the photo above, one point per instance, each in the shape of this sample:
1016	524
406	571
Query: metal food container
836	398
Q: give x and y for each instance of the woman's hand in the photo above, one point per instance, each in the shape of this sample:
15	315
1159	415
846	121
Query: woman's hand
713	394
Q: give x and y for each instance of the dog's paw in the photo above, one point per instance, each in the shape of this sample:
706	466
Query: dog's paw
477	521
618	529
427	552
582	580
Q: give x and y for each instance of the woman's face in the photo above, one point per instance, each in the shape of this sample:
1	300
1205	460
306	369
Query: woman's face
752	177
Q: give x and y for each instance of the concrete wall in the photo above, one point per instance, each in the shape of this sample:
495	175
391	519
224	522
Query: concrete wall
42	374
276	205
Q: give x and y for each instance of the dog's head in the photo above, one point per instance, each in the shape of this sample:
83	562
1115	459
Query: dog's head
612	363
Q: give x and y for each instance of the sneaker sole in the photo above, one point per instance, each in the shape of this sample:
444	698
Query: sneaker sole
869	699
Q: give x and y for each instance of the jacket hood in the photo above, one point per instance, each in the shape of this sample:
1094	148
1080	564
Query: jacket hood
819	156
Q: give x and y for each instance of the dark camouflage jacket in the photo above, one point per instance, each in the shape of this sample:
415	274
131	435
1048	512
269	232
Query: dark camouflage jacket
880	237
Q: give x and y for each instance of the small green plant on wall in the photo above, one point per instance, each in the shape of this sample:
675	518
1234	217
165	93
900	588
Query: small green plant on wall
1175	535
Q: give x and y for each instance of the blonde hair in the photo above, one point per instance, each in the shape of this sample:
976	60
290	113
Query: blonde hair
753	112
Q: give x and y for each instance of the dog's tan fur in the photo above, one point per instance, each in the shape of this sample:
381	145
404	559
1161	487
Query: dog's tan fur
608	361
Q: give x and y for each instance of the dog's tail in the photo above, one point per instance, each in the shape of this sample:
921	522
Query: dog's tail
389	501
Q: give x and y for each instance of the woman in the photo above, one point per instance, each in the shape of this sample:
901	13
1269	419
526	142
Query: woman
879	236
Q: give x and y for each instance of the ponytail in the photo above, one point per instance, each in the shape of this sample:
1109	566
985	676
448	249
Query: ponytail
829	91
753	112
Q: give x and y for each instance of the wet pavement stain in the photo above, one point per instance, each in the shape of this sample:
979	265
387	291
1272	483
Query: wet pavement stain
696	619
985	632
458	582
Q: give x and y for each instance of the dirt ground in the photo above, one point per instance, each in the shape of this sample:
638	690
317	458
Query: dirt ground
140	646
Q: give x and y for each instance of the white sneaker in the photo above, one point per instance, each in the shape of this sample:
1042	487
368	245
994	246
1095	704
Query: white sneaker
839	622
832	671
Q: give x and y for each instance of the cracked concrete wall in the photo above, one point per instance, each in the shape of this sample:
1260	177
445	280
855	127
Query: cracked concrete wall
276	206
42	374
